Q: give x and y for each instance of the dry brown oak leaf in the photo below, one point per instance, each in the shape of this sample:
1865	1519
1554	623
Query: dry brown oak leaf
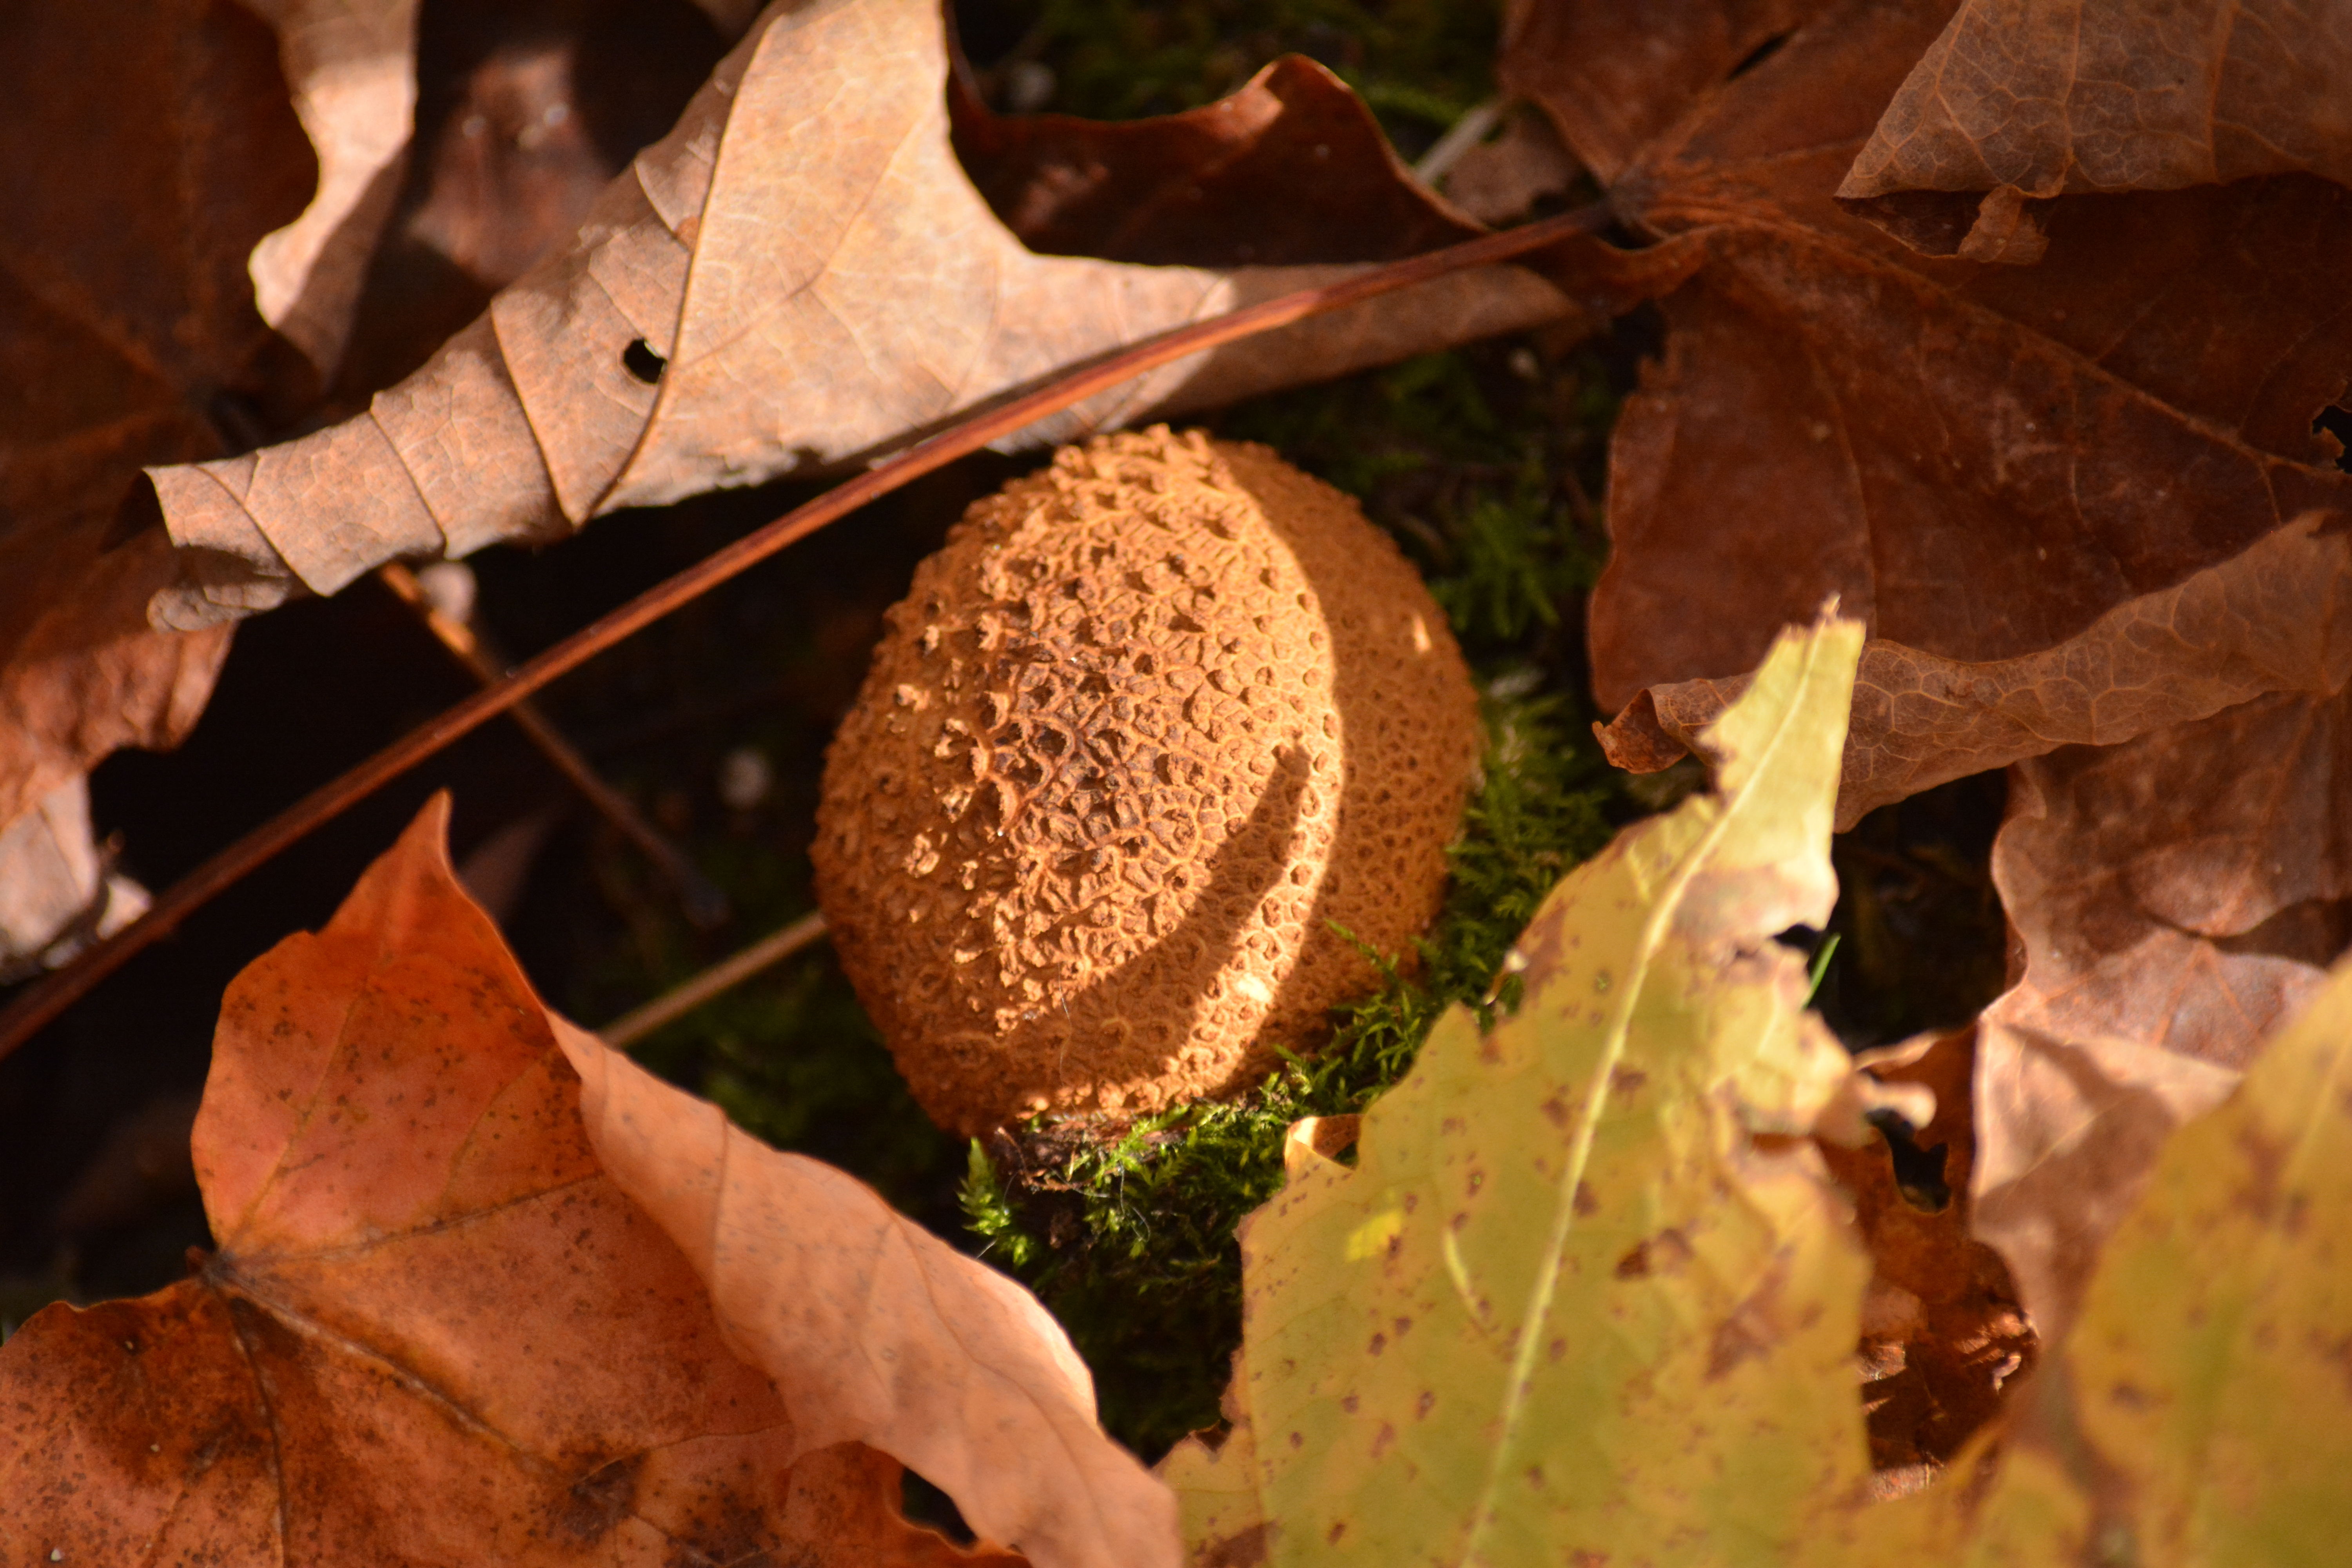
436	1330
2047	96
2054	492
798	277
146	150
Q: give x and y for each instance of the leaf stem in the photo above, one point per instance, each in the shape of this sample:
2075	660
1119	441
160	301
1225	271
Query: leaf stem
43	1002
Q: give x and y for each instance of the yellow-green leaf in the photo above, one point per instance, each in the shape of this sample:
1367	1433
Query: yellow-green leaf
2198	1410
1574	1304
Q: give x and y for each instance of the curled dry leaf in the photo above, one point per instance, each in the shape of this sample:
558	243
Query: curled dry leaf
57	891
2014	475
128	335
351	65
435	1331
1582	1298
2277	618
875	1330
799	276
2069	96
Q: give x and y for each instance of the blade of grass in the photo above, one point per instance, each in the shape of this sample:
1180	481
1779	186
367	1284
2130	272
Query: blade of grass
728	972
43	1002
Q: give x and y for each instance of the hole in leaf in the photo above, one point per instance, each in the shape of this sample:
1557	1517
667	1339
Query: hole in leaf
2337	422
1760	54
641	362
926	1505
1918	1172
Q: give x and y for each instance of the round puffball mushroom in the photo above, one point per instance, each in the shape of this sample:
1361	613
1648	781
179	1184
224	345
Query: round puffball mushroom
1151	723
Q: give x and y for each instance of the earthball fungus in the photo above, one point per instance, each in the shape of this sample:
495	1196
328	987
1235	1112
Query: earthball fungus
1153	721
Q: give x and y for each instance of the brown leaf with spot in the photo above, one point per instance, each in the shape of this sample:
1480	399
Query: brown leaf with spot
798	277
2015	474
2047	96
128	335
435	1331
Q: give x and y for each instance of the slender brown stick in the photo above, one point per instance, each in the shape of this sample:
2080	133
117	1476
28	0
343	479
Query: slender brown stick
724	975
704	904
43	1002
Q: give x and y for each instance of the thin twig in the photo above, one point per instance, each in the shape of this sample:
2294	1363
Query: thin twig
726	973
43	1002
1460	137
704	904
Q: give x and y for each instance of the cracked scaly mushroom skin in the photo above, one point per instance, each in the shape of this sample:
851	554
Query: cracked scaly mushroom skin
1150	722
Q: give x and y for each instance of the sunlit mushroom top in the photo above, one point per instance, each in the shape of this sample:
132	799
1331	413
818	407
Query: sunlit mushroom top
1148	723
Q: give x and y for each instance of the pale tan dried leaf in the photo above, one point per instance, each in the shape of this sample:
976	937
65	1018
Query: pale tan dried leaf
876	1331
821	281
2046	97
56	893
352	65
